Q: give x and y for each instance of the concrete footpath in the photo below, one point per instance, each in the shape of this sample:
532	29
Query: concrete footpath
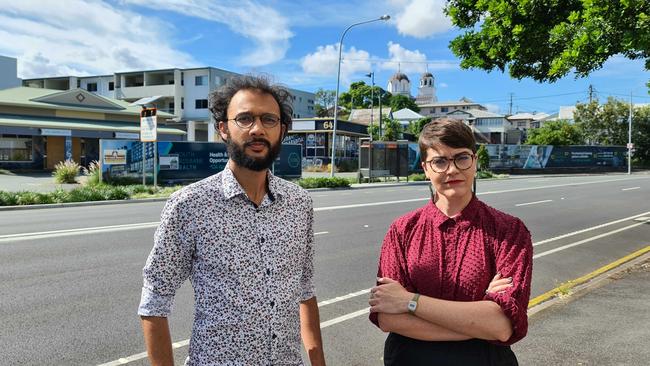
605	323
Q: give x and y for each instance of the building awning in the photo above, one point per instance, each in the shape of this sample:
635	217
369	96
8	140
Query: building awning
84	125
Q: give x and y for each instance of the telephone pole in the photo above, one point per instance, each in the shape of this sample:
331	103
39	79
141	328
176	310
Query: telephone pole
591	93
510	109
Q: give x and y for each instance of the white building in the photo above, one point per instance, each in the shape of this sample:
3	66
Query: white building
524	121
399	84
440	109
181	92
426	90
405	116
8	72
488	127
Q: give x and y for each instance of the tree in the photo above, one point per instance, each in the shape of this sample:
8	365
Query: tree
360	95
415	127
483	158
556	133
545	39
606	124
324	102
391	130
400	101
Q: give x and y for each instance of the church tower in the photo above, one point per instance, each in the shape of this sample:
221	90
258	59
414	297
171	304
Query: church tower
399	83
426	90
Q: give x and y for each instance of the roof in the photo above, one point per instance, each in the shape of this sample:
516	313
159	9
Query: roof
399	76
427	75
465	102
528	116
363	115
406	114
478	113
75	124
75	99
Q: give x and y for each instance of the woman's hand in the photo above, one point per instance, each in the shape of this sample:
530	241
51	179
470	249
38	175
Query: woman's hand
498	284
389	297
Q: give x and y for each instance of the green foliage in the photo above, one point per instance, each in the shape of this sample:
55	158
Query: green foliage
331	182
556	133
546	40
92	173
399	101
483	158
324	100
484	174
66	171
415	127
360	95
418	177
391	130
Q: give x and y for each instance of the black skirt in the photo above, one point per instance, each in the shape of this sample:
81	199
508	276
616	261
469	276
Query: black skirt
405	351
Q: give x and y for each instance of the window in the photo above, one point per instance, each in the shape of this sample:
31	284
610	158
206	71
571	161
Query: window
201	104
182	103
91	87
16	148
444	109
171	106
521	124
78	83
111	85
200	80
182	78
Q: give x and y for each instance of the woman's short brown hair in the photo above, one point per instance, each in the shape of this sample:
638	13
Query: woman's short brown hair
445	131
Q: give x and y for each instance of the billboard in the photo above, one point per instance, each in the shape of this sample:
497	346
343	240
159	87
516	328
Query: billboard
548	156
180	161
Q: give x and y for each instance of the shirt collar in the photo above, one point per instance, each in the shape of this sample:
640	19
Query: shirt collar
232	188
465	217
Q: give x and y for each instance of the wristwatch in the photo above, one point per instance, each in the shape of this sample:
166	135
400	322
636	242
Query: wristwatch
413	304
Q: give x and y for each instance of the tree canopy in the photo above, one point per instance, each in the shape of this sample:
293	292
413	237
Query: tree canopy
324	102
399	101
546	39
360	95
556	133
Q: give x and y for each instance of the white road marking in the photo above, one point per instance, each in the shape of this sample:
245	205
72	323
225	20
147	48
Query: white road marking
322	233
344	297
642	218
532	203
366	225
586	240
343	318
79	231
590	229
629	189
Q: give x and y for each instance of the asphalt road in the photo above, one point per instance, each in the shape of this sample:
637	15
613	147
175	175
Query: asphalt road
70	278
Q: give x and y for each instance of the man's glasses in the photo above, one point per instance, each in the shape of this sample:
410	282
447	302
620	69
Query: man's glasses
462	161
245	121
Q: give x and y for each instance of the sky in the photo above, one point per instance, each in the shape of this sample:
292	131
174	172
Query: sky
295	42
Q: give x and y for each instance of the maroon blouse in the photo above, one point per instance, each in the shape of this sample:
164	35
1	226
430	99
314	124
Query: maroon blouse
456	258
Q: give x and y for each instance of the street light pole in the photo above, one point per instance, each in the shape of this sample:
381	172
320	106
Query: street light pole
629	139
338	80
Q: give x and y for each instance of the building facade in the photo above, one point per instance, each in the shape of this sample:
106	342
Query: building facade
488	127
8	72
181	92
42	127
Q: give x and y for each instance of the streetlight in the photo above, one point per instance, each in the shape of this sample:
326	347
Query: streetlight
338	80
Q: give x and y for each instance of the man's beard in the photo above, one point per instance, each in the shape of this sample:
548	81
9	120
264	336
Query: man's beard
237	153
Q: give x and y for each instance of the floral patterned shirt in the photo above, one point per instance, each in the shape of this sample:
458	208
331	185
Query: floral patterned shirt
250	268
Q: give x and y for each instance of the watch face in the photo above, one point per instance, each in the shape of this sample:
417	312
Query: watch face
412	305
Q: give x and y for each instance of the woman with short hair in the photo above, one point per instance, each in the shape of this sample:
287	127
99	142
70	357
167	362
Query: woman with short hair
454	276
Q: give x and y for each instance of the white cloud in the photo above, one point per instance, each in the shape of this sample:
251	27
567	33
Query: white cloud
80	38
405	60
263	25
325	61
443	85
422	18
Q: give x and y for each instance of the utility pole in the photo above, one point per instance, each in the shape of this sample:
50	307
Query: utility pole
591	93
510	109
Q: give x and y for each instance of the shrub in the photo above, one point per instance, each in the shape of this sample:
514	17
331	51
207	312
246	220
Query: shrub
8	199
483	158
482	174
66	171
332	182
92	173
418	177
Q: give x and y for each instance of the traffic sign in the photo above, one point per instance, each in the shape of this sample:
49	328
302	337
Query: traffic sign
148	124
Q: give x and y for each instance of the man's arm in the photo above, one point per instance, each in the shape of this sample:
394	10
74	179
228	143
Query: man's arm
310	331
157	340
416	328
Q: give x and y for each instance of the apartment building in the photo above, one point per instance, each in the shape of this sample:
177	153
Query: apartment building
8	72
180	92
440	109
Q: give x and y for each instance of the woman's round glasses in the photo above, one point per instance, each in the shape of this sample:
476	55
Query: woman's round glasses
462	161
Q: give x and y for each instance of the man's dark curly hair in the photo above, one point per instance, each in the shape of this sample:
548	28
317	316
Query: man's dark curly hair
220	98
